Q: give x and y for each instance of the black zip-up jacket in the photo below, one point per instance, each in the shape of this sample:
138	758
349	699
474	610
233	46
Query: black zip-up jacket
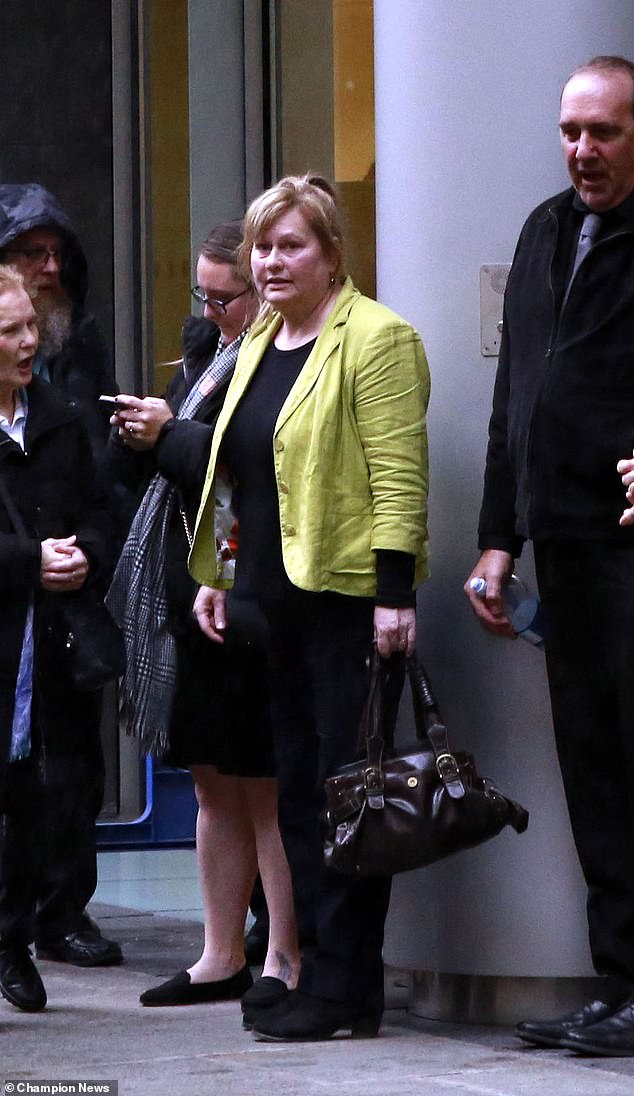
563	405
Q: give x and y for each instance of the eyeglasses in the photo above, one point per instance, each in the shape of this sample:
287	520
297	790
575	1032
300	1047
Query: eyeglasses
199	295
36	256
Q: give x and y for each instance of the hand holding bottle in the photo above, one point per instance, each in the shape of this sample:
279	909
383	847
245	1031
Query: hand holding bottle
520	610
494	568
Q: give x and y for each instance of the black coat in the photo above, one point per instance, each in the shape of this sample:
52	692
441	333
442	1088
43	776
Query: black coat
220	713
181	455
52	484
563	407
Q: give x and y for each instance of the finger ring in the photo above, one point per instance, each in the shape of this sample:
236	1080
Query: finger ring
129	426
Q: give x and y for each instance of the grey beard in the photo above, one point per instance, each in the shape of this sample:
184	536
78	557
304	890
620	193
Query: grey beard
53	322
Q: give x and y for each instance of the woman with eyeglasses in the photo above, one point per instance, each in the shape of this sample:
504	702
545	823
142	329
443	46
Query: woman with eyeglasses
190	702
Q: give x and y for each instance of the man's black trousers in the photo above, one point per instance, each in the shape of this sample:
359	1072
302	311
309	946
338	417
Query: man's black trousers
587	593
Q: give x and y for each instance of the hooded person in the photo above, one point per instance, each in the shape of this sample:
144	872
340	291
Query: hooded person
37	238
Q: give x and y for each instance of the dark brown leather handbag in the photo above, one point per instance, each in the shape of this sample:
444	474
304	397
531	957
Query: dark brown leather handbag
393	813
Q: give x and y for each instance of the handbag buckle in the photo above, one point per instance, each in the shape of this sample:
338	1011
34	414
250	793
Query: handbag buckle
373	781
449	773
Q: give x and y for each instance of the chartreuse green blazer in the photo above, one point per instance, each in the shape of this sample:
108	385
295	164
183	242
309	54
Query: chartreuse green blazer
350	451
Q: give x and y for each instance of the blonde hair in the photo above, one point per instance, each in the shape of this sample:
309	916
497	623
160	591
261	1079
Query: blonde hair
316	200
10	278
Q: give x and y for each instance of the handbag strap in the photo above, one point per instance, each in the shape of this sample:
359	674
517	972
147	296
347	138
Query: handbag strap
180	501
187	528
372	730
431	728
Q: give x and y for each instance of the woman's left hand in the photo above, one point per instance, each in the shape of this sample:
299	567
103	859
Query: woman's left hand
394	630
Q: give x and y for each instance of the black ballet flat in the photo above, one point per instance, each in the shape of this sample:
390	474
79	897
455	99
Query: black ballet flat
180	990
265	993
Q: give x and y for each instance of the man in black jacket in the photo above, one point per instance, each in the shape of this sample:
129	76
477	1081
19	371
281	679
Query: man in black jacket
37	238
563	414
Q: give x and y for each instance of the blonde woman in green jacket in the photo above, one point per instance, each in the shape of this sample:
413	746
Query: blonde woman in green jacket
323	437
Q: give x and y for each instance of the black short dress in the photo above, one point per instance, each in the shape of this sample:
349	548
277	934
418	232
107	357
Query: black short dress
220	713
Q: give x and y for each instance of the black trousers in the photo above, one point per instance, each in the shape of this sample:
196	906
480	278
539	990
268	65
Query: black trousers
319	645
587	593
48	858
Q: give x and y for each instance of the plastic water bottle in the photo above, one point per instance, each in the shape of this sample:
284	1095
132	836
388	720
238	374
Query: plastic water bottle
523	610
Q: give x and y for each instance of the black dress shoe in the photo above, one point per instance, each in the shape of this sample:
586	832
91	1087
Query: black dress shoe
180	990
609	1038
85	948
265	993
20	983
301	1017
551	1033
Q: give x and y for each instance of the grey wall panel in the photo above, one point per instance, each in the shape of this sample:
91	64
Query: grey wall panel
467	143
216	95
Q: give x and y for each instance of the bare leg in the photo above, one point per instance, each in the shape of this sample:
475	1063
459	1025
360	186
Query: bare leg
227	866
283	959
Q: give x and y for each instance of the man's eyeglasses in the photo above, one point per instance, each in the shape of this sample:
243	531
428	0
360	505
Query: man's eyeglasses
36	256
199	295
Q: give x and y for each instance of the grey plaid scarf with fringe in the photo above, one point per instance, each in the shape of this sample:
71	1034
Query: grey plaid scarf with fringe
137	597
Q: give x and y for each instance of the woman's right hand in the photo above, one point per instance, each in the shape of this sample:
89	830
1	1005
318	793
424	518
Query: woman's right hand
140	420
211	612
63	564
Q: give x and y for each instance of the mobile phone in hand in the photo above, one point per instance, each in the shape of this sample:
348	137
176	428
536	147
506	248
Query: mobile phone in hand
114	402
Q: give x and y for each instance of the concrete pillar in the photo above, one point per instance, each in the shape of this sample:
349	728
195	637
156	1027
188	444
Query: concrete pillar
216	115
466	116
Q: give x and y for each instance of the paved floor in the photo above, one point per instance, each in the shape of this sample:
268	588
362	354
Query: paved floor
95	1030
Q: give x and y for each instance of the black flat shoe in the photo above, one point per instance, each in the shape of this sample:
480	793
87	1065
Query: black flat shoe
180	990
265	993
551	1033
609	1038
20	983
302	1018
